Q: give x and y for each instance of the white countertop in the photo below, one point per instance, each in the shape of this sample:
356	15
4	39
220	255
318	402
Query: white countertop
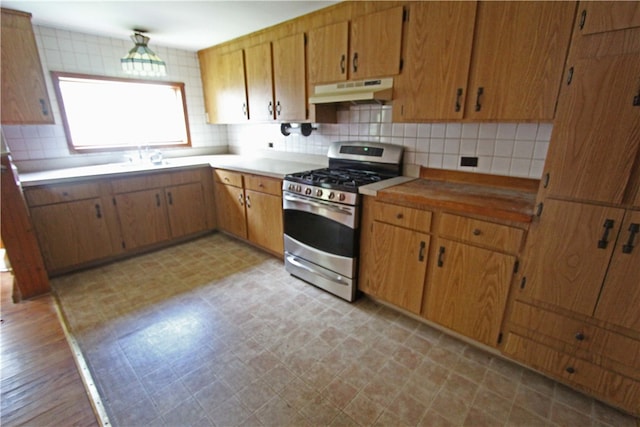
263	166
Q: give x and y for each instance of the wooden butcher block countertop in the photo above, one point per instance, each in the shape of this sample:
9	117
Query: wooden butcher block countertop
499	197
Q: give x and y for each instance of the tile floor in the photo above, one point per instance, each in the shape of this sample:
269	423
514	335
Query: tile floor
215	333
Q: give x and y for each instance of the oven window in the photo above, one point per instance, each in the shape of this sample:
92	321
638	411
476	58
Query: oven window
320	233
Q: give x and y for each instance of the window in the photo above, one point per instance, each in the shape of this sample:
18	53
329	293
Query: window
104	113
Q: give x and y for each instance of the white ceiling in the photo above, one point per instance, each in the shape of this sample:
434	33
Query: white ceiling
190	25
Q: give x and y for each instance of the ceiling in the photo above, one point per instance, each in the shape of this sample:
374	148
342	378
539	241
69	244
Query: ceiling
189	25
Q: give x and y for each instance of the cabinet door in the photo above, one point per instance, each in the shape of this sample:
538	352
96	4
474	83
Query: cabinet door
72	233
566	254
186	208
231	91
619	302
602	16
398	263
289	73
264	221
230	209
597	129
375	45
143	217
519	53
24	94
434	78
469	290
209	74
260	82
328	50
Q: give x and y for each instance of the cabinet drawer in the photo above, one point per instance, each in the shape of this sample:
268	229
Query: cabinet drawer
610	386
263	184
582	335
140	182
61	193
402	216
497	236
186	176
228	177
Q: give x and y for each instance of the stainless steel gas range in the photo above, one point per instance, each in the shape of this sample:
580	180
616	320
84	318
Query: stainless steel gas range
322	214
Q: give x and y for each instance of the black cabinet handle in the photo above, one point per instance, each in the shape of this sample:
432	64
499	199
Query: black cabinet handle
244	108
43	107
545	181
271	108
157	200
421	252
571	370
633	230
458	96
170	197
98	211
248	202
580	336
440	256
241	199
603	242
478	95
278	108
343	63
355	62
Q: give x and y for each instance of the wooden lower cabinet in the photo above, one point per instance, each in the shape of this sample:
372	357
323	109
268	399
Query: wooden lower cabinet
143	218
73	233
186	209
617	389
250	207
469	289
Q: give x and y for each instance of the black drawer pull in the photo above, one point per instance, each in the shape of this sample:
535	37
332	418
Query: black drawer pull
158	200
476	232
170	198
608	225
580	336
627	248
399	215
570	370
440	256
98	211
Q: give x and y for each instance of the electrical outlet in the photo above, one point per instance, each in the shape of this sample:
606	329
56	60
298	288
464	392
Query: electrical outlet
469	161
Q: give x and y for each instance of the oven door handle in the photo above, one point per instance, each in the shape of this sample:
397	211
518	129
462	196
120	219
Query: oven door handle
296	261
318	205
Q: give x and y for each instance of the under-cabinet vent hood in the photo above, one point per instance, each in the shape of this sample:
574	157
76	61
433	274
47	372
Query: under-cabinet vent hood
375	90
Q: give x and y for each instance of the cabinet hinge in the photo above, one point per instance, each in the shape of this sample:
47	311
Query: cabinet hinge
516	266
583	18
523	282
499	337
569	76
405	15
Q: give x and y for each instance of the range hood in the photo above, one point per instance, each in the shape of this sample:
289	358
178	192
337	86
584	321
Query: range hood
374	90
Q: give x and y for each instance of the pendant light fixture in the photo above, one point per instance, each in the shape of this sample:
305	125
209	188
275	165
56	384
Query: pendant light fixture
142	61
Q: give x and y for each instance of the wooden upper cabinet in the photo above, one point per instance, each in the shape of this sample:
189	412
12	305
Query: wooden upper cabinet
328	50
596	136
289	76
24	93
620	297
371	48
602	16
518	59
636	201
433	82
375	44
568	254
260	82
228	89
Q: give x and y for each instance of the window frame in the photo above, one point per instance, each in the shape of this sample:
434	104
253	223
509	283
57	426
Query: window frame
55	77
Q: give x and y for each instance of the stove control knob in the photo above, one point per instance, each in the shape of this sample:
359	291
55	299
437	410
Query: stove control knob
307	191
332	196
298	188
291	186
319	193
342	197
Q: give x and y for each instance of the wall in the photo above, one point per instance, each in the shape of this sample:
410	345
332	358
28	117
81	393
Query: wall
513	149
44	146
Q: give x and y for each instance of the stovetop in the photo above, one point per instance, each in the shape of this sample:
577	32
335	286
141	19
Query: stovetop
337	179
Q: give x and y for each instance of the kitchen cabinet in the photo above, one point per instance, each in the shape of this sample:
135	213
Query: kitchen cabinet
602	16
158	207
224	85
75	223
250	207
276	80
394	253
372	48
24	94
597	129
484	61
470	284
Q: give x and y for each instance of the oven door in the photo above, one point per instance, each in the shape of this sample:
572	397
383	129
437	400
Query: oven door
321	241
